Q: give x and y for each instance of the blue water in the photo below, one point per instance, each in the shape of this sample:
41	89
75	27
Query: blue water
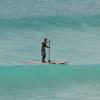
73	26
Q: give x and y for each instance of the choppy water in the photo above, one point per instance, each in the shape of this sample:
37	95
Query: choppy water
74	30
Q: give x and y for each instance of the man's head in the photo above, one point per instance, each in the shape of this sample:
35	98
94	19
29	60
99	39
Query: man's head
45	39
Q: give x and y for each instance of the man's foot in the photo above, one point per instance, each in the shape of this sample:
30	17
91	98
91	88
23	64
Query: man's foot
43	61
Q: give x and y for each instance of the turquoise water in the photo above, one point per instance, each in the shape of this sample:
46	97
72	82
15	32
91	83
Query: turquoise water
47	82
74	30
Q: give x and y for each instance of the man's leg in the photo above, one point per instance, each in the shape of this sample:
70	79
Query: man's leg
43	59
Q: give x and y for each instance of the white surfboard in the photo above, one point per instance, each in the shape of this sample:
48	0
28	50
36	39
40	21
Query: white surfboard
39	62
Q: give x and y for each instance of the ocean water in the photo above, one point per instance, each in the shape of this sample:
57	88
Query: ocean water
72	26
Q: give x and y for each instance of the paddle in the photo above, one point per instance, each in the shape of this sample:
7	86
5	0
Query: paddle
49	52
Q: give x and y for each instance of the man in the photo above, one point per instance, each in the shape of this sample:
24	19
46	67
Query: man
43	51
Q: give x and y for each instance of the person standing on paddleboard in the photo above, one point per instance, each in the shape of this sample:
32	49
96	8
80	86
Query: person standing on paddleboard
43	51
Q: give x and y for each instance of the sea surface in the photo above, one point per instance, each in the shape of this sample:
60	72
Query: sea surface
72	26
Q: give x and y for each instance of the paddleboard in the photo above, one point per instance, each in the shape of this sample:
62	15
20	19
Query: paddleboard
39	62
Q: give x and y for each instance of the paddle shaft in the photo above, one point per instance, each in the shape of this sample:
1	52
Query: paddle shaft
49	53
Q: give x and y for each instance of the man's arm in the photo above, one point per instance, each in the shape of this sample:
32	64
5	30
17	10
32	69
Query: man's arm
47	46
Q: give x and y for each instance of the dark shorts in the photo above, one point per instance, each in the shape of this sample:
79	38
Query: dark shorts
43	53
